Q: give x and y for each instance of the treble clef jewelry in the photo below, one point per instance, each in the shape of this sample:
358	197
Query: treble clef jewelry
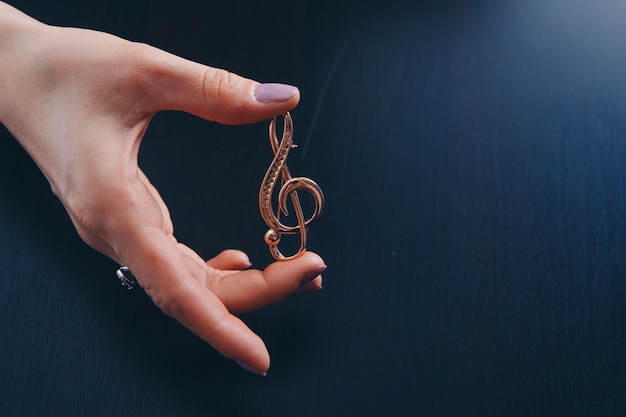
289	187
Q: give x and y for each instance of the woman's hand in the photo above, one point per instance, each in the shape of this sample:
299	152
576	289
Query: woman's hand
80	102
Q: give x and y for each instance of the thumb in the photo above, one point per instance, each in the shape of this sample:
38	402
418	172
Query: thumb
215	94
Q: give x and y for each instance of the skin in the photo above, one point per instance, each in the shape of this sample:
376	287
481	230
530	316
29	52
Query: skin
80	102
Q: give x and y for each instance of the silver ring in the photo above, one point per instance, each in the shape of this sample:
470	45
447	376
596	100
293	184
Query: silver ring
126	277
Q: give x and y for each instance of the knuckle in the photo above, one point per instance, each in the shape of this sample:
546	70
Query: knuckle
86	217
142	70
167	300
94	213
219	83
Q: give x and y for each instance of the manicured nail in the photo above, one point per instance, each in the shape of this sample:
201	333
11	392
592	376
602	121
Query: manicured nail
312	286
251	369
310	276
274	93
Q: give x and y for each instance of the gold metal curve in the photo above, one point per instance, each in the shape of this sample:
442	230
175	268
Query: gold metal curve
289	187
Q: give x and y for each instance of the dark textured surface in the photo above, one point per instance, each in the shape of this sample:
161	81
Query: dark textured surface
473	156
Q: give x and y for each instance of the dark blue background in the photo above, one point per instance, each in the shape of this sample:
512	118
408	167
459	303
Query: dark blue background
473	157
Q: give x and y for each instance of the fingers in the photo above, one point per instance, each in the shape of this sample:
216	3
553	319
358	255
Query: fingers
175	283
230	259
175	279
215	94
252	289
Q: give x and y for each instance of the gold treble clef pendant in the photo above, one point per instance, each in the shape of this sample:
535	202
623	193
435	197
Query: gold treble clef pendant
289	187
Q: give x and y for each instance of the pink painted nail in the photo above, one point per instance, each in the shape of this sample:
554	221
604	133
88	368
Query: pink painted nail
274	93
251	369
311	275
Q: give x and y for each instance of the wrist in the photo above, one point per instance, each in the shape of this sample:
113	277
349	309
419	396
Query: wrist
18	34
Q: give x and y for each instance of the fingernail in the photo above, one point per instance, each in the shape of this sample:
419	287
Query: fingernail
274	93
313	286
251	369
310	276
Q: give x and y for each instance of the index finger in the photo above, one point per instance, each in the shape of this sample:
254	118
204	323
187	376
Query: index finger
174	282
